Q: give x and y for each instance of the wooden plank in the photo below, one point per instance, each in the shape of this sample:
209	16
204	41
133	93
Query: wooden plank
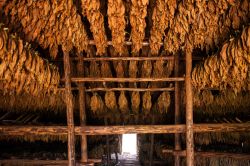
189	110
238	156
90	79
84	149
130	129
70	115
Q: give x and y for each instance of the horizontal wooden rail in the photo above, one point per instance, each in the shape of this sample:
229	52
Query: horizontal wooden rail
124	89
90	130
140	58
239	156
128	43
130	89
130	129
90	79
129	58
46	162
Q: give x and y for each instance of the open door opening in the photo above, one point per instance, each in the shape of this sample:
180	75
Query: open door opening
129	144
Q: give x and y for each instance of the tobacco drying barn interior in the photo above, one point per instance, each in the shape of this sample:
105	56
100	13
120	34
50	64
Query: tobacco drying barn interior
125	82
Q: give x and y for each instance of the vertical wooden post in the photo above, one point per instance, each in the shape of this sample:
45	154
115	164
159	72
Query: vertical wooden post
151	146
70	115
177	114
189	110
84	149
107	142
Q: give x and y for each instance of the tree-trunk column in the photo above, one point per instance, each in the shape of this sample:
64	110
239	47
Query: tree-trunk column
189	110
69	104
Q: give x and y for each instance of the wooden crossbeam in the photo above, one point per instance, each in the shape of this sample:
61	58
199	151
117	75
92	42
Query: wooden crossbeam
238	156
47	162
130	129
124	89
91	79
128	58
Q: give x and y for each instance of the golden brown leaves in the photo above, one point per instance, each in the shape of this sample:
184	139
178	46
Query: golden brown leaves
162	14
163	102
135	102
146	102
50	23
117	24
229	68
137	20
96	104
96	19
21	68
123	103
110	100
206	24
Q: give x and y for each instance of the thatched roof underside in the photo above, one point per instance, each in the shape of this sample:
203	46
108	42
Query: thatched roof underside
178	25
204	24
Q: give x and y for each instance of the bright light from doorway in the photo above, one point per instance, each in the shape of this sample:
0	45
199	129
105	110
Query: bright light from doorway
129	144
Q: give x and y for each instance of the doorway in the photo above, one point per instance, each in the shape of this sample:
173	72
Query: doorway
129	144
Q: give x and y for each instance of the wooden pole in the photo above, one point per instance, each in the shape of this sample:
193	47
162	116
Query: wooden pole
125	89
70	115
177	114
90	79
151	145
107	143
237	156
84	149
116	130
151	149
130	89
189	110
128	43
128	58
45	162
